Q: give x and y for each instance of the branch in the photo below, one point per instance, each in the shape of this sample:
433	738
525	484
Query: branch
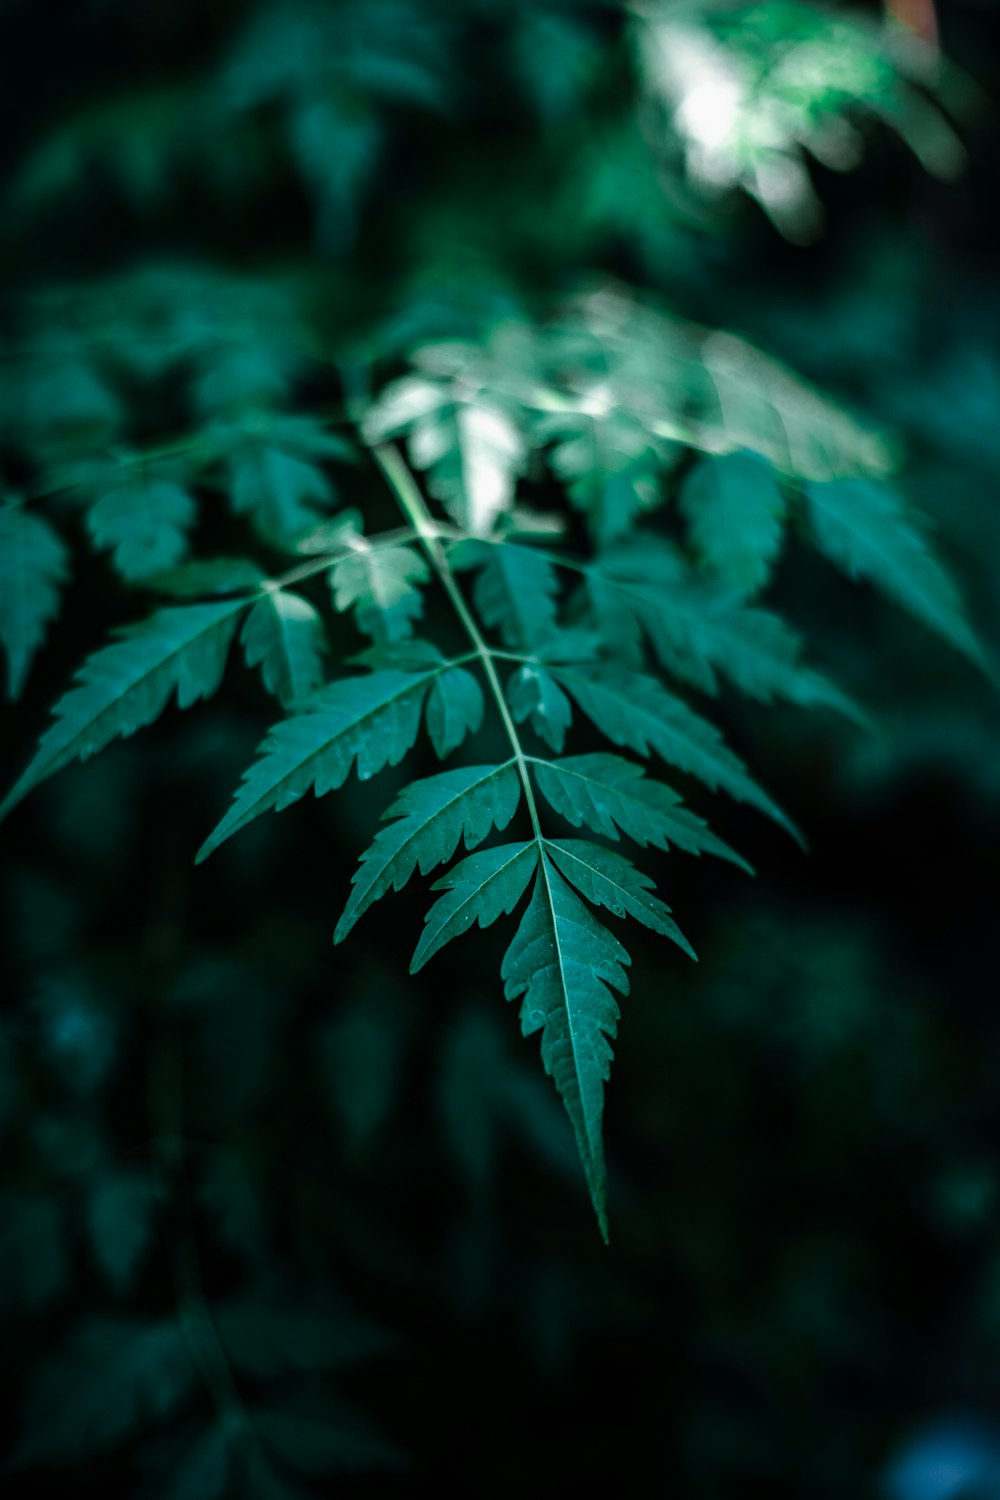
414	507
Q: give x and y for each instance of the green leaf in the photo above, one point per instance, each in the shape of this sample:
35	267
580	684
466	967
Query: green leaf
380	585
697	631
515	592
609	879
637	712
325	128
373	719
284	636
533	694
143	521
481	888
570	646
404	656
433	815
33	566
283	493
212	575
119	1224
127	685
610	467
476	474
471	449
866	529
454	709
606	793
401	406
735	513
564	964
338	531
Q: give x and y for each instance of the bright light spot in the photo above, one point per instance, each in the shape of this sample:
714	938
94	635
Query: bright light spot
710	113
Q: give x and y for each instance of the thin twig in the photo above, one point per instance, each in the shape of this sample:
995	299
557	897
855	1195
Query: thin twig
413	506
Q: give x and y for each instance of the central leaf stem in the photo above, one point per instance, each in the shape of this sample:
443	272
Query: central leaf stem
414	508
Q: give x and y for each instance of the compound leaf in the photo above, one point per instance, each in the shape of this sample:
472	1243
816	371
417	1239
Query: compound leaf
33	567
867	530
636	711
284	636
380	584
143	521
735	513
533	694
280	491
127	685
698	630
565	964
608	879
471	450
475	458
454	709
432	816
606	793
515	593
479	889
372	719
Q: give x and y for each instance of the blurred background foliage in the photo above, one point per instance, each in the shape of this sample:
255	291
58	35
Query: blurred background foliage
276	1221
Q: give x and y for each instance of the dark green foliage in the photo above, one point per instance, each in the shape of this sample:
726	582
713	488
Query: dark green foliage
393	374
695	614
33	564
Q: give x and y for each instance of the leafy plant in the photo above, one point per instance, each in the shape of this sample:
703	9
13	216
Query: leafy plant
732	451
460	392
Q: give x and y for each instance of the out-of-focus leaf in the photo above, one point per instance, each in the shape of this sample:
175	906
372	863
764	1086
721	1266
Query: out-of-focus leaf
33	568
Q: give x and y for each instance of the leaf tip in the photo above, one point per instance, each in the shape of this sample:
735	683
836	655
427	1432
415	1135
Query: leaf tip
13	797
206	849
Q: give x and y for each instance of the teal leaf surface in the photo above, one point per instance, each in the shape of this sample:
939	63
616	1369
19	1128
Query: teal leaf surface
515	594
127	685
209	576
565	964
455	709
735	513
372	719
636	712
432	816
608	879
867	530
698	631
605	793
381	586
144	522
284	636
534	694
281	492
33	568
481	888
